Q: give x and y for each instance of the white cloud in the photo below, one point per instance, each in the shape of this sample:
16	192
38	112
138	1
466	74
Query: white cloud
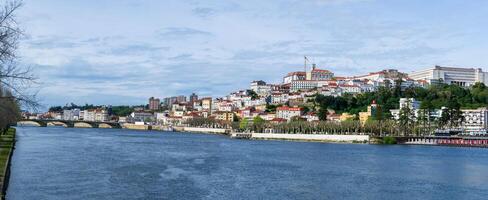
178	47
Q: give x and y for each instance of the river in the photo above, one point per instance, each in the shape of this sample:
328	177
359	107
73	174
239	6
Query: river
69	163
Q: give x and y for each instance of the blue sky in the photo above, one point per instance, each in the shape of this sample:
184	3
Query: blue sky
124	51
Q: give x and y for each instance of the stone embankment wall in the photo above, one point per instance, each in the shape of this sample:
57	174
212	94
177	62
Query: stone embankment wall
205	130
312	137
136	127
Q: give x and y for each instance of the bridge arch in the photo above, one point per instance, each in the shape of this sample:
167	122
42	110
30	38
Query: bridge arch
30	123
105	125
57	123
82	125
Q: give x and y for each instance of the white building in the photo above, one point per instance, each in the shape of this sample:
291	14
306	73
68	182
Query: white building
99	115
287	113
306	84
475	121
279	98
451	75
294	76
351	89
411	103
73	114
141	117
224	105
261	88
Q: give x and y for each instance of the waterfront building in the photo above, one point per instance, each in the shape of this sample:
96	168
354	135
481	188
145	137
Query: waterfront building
73	114
101	115
95	115
154	103
89	115
174	121
141	117
346	116
371	111
410	103
160	116
414	106
224	116
287	113
33	117
363	117
268	116
334	117
475	121
311	117
122	119
451	75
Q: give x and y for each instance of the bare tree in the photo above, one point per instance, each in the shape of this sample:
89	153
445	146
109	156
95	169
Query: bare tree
15	78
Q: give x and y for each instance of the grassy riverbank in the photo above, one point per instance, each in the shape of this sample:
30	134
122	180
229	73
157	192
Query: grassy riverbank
7	141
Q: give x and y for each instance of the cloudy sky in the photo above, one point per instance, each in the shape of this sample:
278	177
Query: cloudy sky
124	51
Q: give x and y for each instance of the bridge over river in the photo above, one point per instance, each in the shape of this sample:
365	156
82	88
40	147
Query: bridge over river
68	123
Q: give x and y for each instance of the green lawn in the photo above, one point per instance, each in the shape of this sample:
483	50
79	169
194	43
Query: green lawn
6	143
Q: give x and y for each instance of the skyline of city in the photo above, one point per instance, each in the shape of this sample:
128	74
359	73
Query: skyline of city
275	99
204	50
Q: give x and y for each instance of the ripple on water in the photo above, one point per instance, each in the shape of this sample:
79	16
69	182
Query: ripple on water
60	163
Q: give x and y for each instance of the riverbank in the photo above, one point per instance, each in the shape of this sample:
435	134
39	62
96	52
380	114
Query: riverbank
265	136
7	143
304	137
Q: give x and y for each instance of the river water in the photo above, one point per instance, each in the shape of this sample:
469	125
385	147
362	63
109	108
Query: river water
69	163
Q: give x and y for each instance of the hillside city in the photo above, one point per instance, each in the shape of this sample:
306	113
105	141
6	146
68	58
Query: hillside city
313	96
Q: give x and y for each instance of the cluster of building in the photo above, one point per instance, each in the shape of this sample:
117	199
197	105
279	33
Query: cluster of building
102	114
286	101
475	121
295	91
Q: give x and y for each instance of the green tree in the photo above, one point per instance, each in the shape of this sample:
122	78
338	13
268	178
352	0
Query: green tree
258	124
253	94
323	112
406	119
243	124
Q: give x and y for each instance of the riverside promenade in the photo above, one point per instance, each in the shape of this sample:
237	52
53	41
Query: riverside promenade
304	137
464	141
